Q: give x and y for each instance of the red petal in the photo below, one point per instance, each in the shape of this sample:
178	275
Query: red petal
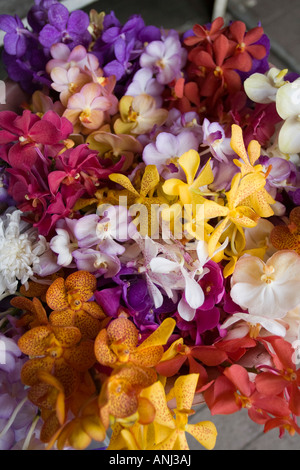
204	59
240	378
45	132
220	47
170	367
209	355
257	51
238	29
225	405
270	384
253	35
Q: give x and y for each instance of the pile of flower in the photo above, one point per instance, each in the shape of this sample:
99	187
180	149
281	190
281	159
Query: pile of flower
150	232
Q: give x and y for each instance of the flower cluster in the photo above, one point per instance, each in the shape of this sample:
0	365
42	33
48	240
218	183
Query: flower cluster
149	232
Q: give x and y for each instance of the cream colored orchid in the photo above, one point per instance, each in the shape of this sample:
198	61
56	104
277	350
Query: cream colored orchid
268	289
138	115
262	88
288	108
167	431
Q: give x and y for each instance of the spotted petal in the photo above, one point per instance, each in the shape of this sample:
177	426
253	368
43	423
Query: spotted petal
205	432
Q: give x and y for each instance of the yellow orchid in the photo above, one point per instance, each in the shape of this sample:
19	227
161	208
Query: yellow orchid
167	431
259	200
234	212
189	193
142	202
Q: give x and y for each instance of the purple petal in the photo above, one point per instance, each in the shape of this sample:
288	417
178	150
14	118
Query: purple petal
9	24
111	34
58	16
120	50
114	68
15	44
78	21
109	300
49	36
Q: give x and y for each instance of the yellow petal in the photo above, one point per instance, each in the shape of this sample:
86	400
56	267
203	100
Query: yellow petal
171	186
122	180
184	389
237	143
172	351
205	433
206	177
246	217
94	428
190	162
215	236
124	105
213	209
156	395
254	151
150	180
249	184
167	444
160	336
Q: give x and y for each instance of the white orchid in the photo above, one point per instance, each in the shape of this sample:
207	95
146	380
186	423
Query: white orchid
288	108
268	289
263	88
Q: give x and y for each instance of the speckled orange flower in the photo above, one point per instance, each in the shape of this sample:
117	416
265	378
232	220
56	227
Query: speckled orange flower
58	350
118	344
119	399
34	313
287	237
69	300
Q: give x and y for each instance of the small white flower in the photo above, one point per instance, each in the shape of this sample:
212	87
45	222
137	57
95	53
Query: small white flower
20	249
268	289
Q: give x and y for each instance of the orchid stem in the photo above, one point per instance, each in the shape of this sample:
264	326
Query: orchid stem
12	418
30	433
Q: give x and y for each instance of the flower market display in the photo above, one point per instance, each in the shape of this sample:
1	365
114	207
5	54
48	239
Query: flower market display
149	234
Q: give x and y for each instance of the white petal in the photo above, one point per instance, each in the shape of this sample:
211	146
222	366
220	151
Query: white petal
163	265
259	89
193	291
186	312
289	136
288	100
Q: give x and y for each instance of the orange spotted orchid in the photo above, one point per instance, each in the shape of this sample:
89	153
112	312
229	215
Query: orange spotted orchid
118	344
58	350
287	237
69	300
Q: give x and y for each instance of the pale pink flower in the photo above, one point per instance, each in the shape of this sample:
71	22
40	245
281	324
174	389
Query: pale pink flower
86	109
68	82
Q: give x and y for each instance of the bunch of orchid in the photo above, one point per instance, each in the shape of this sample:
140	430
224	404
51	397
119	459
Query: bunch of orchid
149	233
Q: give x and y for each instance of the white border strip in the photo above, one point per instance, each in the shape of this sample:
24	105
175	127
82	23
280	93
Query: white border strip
70	4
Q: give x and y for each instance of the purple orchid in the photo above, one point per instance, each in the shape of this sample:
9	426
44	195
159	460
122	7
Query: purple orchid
69	28
165	58
15	42
96	262
167	149
218	144
37	16
204	321
144	82
212	284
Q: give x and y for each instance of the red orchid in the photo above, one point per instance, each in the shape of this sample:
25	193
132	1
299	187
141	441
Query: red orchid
178	354
80	166
234	390
236	348
245	43
220	68
28	132
284	378
287	423
205	35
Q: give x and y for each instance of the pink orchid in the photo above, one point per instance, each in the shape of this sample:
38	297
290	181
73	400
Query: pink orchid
79	57
60	207
80	166
68	81
86	109
29	132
